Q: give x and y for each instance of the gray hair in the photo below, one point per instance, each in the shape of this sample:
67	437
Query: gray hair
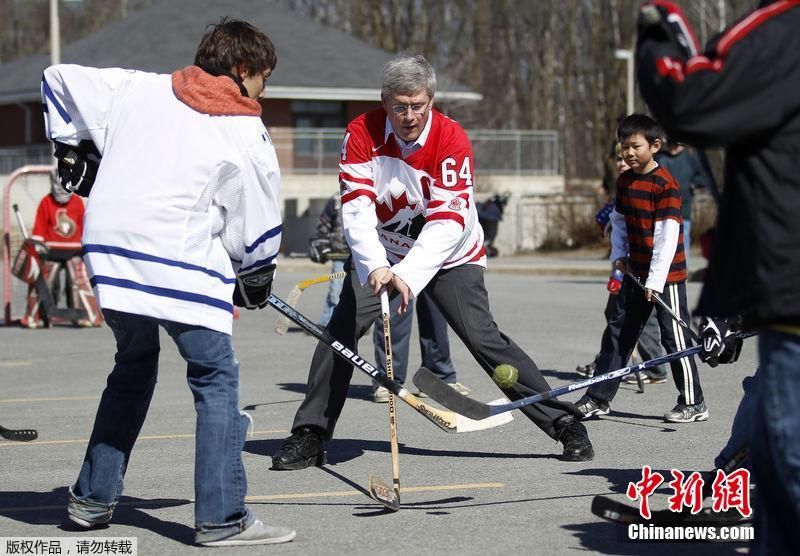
406	73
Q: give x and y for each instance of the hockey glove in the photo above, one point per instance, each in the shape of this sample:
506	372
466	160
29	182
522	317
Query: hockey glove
664	21
319	249
720	343
253	287
77	166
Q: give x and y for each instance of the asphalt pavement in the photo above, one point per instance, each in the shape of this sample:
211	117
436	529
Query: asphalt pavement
488	492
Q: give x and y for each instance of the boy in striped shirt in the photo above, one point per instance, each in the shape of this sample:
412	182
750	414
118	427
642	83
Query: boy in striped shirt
647	241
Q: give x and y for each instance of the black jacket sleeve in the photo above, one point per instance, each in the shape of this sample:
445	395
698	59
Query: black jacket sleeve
743	86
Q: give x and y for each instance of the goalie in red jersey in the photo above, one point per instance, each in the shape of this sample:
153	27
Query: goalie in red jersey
59	226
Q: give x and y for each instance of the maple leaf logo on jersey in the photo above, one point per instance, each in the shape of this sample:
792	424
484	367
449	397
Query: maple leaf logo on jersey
397	215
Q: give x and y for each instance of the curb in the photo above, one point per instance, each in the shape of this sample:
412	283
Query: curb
303	265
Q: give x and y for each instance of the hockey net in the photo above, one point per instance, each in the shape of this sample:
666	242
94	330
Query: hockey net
25	187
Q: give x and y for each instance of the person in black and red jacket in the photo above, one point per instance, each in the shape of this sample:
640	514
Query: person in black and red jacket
741	93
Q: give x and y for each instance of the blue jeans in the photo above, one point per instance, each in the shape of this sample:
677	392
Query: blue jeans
687	239
775	445
213	376
745	414
334	291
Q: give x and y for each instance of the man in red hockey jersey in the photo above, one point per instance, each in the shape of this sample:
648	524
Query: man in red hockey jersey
406	178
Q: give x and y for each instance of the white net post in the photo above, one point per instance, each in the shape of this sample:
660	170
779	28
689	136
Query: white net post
25	188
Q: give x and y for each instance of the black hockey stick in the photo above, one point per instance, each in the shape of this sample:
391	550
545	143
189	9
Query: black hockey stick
667	308
473	409
445	420
19	435
620	512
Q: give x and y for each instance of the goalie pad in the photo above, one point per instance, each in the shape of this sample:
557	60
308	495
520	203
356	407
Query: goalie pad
28	262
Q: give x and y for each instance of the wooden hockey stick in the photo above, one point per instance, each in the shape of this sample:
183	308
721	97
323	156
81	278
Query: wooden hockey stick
377	487
282	325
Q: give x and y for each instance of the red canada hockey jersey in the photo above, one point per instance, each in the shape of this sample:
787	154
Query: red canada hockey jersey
416	214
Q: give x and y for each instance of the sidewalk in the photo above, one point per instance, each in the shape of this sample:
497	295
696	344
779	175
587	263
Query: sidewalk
579	262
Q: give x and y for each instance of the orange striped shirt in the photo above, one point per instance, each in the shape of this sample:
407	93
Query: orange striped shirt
644	199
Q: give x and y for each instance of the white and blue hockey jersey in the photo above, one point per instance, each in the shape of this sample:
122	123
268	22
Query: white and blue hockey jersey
187	191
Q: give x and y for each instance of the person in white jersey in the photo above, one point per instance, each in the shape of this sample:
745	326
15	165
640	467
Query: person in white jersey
182	224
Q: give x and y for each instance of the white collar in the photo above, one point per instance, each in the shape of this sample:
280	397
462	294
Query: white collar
420	141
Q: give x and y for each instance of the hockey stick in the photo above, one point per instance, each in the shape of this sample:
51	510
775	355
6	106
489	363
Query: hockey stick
473	409
620	512
19	435
667	308
282	326
376	486
446	420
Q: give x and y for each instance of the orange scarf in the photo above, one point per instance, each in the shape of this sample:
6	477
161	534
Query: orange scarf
215	96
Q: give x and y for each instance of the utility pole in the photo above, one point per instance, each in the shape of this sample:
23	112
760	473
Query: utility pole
55	34
627	55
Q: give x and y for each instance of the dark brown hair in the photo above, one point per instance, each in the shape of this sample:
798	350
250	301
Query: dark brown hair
642	124
232	43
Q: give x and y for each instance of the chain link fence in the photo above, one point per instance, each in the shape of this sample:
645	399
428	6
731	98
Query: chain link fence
316	151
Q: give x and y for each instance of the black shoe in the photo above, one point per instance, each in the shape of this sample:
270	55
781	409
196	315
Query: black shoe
302	449
591	407
587	370
572	434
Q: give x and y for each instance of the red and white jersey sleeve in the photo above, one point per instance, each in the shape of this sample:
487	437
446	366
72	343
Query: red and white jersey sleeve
416	214
357	186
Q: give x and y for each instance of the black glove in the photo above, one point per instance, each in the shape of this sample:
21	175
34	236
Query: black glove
77	166
319	248
663	21
720	343
253	287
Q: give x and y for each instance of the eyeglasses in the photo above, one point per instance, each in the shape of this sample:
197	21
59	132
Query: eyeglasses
401	109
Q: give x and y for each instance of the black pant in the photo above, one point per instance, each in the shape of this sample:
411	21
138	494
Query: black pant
649	344
460	294
434	343
673	338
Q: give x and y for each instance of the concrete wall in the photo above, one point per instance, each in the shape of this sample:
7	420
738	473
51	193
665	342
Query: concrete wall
304	195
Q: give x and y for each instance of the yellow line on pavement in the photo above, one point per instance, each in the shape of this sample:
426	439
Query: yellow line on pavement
261	498
15	364
329	494
146	437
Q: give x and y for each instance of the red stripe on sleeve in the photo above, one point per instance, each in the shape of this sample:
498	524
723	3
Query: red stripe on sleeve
347	197
350	177
446	216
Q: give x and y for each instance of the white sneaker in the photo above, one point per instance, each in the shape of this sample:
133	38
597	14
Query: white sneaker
257	533
381	395
460	388
251	426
